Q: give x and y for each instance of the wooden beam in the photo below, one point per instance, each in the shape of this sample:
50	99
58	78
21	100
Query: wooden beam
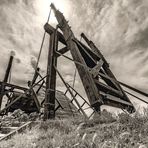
117	102
85	51
62	51
91	52
13	86
34	97
108	89
96	69
94	49
49	29
49	112
8	69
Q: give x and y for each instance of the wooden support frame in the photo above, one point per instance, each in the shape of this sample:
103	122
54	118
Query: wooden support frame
16	94
91	66
86	78
95	61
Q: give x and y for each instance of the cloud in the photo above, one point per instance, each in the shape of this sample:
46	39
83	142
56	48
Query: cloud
21	30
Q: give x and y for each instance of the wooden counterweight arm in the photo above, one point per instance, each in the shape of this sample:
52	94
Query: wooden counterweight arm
86	78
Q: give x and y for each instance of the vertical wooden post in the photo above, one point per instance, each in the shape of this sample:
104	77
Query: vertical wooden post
49	108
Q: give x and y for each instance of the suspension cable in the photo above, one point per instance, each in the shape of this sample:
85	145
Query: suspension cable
136	97
42	43
74	78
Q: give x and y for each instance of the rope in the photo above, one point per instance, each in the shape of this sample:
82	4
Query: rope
74	78
42	43
136	97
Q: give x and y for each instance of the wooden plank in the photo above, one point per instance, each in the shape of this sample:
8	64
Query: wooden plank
2	88
51	77
19	129
91	52
11	128
62	51
108	89
116	102
8	69
13	86
94	49
96	69
49	29
85	51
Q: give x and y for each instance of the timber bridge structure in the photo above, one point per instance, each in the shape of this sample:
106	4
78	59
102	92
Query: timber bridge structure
100	84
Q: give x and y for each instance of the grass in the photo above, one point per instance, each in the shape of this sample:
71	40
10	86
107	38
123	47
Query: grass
105	131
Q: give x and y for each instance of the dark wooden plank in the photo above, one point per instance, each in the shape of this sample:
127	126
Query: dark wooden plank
108	89
119	103
97	57
34	97
13	86
19	129
134	89
62	51
8	69
51	77
49	29
96	69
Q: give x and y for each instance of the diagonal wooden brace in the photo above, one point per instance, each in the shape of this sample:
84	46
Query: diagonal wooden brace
95	71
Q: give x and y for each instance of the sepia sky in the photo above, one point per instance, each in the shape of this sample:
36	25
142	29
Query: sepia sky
118	27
